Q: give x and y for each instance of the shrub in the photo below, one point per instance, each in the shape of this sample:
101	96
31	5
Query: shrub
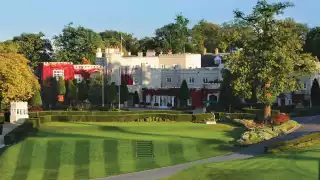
21	132
280	118
222	116
35	109
203	117
260	113
247	123
1	119
260	134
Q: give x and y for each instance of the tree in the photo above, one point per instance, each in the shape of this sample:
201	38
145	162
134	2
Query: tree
95	91
113	39
124	92
227	98
312	40
36	100
34	47
315	93
174	36
61	89
9	47
112	93
273	57
184	94
83	90
17	81
136	99
72	91
49	92
76	43
206	35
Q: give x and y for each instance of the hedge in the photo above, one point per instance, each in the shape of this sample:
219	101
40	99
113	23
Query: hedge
67	113
221	116
1	119
202	117
260	112
19	133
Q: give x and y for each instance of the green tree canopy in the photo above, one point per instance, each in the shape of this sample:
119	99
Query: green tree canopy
34	47
36	100
72	92
273	58
124	92
95	91
184	94
76	43
83	90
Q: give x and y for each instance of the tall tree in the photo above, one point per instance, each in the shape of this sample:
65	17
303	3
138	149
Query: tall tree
83	90
313	42
273	57
206	35
95	91
9	47
112	93
36	100
61	89
17	81
227	98
124	92
76	43
184	94
174	36
72	91
49	92
35	47
315	93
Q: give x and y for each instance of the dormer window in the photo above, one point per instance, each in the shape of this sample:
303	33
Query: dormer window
217	60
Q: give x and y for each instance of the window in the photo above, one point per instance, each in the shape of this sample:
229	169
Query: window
175	66
205	80
191	80
58	73
162	66
168	80
78	77
189	102
305	86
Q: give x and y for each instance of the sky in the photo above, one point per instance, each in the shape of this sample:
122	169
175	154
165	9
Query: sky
139	17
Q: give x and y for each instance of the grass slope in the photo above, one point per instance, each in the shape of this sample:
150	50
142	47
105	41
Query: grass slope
300	159
67	151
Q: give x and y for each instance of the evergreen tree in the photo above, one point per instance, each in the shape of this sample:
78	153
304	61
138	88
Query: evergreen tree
72	91
124	93
83	90
315	93
136	99
61	86
95	91
112	93
36	100
49	92
227	99
184	94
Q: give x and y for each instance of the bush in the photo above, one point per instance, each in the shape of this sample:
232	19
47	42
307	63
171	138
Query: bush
222	116
1	119
21	132
280	118
35	109
198	118
247	123
259	134
260	113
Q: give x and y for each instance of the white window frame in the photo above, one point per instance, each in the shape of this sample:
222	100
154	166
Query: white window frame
78	77
191	80
167	78
189	102
58	73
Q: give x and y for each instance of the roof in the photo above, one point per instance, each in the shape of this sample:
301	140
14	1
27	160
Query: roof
207	60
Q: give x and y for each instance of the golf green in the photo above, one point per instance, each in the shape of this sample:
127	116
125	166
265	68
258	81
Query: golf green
91	150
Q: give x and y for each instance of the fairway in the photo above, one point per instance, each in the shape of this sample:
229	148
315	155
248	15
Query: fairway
67	151
294	165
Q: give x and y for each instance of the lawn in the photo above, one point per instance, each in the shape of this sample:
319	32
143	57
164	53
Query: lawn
91	150
301	162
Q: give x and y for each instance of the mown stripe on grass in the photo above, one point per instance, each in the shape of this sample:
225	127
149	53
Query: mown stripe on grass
24	160
67	155
176	152
96	167
82	159
126	157
142	163
161	153
38	160
111	162
52	162
190	152
9	161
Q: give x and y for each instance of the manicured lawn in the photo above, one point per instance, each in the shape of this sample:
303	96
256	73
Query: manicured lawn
300	163
90	150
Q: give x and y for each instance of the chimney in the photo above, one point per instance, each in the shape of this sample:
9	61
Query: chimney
217	51
99	53
140	54
129	53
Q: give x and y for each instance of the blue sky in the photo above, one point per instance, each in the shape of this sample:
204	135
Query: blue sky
140	17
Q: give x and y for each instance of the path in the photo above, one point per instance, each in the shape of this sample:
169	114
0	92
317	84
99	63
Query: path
308	125
7	127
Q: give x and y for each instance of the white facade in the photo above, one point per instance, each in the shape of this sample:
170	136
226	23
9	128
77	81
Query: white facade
18	112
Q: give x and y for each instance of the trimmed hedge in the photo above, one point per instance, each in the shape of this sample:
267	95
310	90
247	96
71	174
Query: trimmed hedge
115	118
222	116
202	117
21	132
260	113
68	113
